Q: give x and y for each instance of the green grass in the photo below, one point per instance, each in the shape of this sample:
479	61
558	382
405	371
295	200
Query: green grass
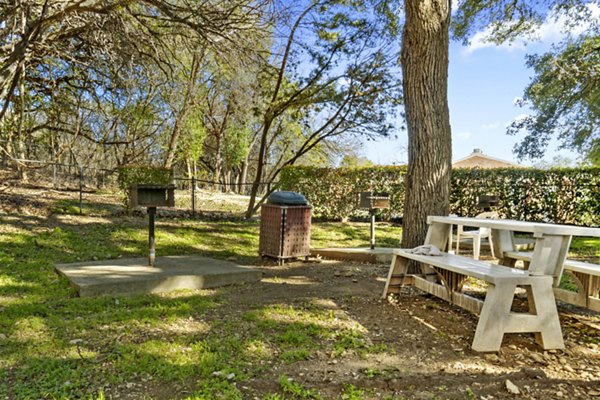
354	234
55	345
296	390
585	247
72	206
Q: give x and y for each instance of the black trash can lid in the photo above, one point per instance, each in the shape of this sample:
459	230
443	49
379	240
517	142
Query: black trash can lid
287	199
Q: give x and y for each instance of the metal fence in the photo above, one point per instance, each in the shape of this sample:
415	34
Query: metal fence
191	194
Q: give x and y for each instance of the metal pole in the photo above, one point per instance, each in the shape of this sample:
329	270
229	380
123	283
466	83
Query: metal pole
151	252
193	195
81	190
372	229
54	185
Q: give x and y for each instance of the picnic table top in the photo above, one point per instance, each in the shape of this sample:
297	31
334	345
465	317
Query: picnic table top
519	226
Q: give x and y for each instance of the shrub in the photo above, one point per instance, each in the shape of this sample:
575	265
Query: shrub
569	195
333	192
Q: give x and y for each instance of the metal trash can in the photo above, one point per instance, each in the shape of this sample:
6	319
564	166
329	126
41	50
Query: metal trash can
285	226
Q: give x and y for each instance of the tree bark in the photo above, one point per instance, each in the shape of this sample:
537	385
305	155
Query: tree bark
424	60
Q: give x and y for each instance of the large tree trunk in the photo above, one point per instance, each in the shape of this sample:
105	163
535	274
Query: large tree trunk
425	82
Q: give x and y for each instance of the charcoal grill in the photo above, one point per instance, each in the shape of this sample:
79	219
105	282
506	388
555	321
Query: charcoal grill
487	201
151	196
373	202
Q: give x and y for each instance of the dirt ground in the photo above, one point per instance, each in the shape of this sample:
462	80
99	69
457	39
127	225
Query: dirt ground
431	341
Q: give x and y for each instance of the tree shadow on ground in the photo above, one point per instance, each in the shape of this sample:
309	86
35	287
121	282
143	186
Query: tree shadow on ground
296	322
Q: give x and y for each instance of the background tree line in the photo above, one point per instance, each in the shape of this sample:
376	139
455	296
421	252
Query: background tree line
227	91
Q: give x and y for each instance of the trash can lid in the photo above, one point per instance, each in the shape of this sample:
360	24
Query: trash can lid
287	199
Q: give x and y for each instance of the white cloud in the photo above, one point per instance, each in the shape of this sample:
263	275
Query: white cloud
518	118
463	135
555	27
479	41
490	126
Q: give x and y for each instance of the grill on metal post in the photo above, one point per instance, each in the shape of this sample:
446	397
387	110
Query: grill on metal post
373	202
285	226
487	201
151	196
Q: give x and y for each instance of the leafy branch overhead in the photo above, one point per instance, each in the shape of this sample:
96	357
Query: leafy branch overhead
333	73
564	93
565	97
82	32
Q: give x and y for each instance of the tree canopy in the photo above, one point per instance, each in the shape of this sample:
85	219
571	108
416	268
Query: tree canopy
564	95
227	91
564	92
233	91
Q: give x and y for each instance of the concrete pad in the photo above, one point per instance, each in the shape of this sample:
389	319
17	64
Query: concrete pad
134	276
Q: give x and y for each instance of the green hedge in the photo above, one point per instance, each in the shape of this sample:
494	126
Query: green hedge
569	196
333	192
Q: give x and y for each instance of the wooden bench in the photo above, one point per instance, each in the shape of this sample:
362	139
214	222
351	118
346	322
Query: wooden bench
445	279
585	275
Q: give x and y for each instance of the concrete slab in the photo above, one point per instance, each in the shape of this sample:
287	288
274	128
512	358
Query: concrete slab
134	276
383	255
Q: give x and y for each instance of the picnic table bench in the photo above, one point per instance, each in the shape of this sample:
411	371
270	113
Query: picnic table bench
496	317
444	275
586	277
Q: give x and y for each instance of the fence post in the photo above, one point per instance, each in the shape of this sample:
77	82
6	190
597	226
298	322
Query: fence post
80	190
54	184
193	195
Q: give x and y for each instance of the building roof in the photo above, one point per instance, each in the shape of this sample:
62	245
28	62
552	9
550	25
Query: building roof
479	160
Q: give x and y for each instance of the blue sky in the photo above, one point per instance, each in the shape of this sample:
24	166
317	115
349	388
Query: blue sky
484	81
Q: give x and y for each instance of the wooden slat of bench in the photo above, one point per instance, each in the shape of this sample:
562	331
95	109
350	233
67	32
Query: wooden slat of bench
583	267
467	266
572	265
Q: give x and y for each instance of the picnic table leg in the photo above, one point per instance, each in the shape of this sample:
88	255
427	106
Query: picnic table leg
437	235
493	317
496	317
503	240
542	304
549	255
396	276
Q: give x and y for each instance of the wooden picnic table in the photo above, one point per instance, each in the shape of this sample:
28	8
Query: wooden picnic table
552	241
444	275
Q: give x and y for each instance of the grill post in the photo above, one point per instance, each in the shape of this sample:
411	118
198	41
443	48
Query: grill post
151	248
151	196
372	202
372	212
